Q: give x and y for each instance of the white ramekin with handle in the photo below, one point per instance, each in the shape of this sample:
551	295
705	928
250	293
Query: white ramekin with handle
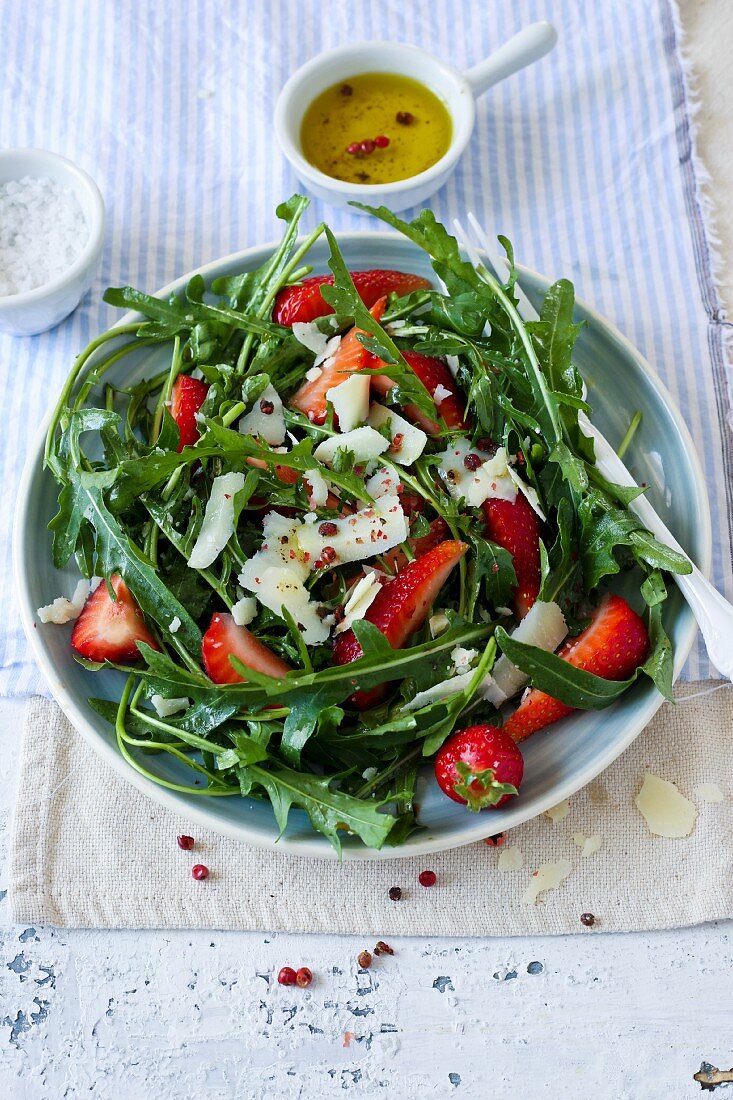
457	90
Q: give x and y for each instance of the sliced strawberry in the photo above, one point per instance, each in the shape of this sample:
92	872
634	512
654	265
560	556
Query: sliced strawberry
305	302
613	646
397	559
224	639
432	373
400	608
187	397
515	526
108	629
350	356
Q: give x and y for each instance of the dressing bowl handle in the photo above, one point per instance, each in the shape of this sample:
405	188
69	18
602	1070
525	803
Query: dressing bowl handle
522	49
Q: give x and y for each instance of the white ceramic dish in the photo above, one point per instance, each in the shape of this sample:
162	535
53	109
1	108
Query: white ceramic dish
559	760
458	91
34	311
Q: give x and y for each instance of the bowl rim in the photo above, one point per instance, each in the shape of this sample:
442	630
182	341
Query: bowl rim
96	228
313	845
463	124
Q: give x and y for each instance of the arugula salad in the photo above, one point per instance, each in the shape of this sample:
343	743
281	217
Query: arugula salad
353	526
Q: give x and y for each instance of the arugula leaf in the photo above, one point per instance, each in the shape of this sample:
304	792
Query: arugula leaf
329	811
551	674
310	711
491	569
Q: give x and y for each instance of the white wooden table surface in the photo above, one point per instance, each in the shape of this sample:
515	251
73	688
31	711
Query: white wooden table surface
138	1015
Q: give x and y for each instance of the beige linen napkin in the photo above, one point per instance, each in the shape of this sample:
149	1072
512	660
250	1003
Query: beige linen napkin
90	851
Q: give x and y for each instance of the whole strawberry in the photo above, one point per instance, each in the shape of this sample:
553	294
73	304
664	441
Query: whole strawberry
480	766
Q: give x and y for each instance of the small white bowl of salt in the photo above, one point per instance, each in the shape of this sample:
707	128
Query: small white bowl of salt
51	238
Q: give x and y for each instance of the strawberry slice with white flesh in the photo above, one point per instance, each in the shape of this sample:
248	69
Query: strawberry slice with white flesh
514	525
187	397
350	356
109	629
435	377
400	608
224	639
304	301
613	646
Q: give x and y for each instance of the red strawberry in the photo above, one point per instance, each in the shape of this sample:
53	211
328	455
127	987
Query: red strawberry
400	608
108	629
613	646
224	639
515	526
187	397
350	356
432	373
473	766
305	302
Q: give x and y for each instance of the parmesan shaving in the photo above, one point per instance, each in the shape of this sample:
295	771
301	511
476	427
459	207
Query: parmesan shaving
547	877
664	808
588	845
510	859
559	812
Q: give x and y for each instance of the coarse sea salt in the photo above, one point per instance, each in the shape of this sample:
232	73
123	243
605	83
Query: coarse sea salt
42	231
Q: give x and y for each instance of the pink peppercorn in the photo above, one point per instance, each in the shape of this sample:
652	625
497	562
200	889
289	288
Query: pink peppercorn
427	878
304	977
354	148
368	146
287	976
381	141
185	842
199	871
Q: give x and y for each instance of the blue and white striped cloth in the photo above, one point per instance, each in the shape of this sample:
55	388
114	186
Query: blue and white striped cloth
585	160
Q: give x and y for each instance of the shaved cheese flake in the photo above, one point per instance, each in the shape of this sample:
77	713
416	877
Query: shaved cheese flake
310	336
588	845
370	531
382	482
174	625
547	877
437	692
350	400
463	658
440	393
218	525
559	812
491	480
709	792
360	599
408	442
269	426
166	707
664	808
280	547
313	373
510	859
278	585
364	443
453	364
65	611
543	626
318	488
529	492
244	610
329	351
438	623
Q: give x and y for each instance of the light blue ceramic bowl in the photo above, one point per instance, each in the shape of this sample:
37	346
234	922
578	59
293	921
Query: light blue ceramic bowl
560	760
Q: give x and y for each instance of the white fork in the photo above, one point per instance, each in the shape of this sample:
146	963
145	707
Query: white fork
712	611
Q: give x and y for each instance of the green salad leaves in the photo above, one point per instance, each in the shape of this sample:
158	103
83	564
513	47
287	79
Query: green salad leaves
132	503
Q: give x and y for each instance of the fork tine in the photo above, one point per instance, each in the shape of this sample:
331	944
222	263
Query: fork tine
500	265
